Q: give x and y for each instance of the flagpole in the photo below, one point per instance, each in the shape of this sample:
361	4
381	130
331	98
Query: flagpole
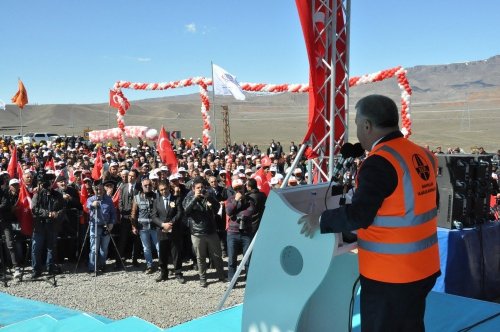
21	118
213	106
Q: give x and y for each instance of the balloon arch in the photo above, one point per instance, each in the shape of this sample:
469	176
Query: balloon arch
119	101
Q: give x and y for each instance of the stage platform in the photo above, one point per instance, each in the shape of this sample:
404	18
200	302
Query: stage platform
444	313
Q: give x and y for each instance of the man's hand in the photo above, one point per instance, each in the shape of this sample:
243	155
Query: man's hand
134	230
310	223
167	226
110	227
238	196
67	197
95	204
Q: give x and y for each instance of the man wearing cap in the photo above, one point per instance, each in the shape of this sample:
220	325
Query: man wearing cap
47	204
239	207
102	217
9	225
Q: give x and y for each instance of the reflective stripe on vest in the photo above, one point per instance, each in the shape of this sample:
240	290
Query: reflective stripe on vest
398	248
408	220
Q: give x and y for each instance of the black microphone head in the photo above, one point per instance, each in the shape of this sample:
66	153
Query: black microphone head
357	150
346	150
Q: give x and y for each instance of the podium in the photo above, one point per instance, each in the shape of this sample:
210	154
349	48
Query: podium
297	283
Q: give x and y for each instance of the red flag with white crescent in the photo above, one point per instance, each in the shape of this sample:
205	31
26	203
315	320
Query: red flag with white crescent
12	167
262	181
23	210
97	169
164	148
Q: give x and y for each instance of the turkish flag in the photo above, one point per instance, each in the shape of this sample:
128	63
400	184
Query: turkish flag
97	169
11	169
228	179
116	98
23	210
84	195
116	198
164	148
49	164
262	181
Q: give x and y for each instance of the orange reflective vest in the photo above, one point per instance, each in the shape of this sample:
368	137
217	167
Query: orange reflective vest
400	246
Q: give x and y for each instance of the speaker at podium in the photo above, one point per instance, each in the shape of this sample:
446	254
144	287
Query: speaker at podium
464	183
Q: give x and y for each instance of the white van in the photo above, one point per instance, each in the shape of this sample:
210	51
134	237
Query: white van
38	137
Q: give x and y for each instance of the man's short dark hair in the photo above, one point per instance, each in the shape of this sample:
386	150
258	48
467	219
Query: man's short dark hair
380	110
252	184
198	179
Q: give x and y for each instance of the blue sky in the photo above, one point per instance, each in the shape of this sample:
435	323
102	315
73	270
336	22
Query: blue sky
72	51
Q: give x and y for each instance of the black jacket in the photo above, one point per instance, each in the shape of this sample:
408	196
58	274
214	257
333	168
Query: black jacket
200	213
173	214
45	201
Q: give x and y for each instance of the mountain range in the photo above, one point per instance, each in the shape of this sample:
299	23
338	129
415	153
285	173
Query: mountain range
454	104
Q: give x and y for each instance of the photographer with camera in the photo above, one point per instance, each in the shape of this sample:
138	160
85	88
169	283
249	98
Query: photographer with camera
240	208
102	216
141	217
200	208
10	229
47	204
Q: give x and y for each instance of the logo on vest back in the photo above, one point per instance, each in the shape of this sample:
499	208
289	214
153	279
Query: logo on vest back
422	168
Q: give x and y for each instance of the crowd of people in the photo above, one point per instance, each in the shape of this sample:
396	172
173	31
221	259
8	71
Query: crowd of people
209	207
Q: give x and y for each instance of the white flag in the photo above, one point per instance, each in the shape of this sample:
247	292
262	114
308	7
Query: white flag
2	105
226	84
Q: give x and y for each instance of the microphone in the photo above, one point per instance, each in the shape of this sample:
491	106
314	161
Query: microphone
345	153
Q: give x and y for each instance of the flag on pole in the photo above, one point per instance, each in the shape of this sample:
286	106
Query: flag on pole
49	164
12	167
117	99
164	148
23	210
226	84
97	169
21	96
2	105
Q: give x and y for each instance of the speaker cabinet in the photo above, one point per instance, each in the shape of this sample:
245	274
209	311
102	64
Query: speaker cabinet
464	183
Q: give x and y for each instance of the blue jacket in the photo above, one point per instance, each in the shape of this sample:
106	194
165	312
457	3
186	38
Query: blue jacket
104	214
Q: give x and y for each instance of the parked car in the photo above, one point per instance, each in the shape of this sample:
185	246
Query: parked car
38	137
18	139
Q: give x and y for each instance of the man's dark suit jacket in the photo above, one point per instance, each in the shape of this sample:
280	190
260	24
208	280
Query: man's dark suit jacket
173	213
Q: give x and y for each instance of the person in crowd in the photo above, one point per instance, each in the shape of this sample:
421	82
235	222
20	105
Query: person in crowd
253	192
47	204
220	193
68	220
396	221
240	208
102	217
128	191
167	215
141	216
200	208
9	225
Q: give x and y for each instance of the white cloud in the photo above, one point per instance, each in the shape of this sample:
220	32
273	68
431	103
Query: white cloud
143	59
191	27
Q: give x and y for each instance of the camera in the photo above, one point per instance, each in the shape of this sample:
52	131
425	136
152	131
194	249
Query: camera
204	192
243	224
45	179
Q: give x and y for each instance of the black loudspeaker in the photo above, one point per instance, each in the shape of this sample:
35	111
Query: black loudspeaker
464	183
